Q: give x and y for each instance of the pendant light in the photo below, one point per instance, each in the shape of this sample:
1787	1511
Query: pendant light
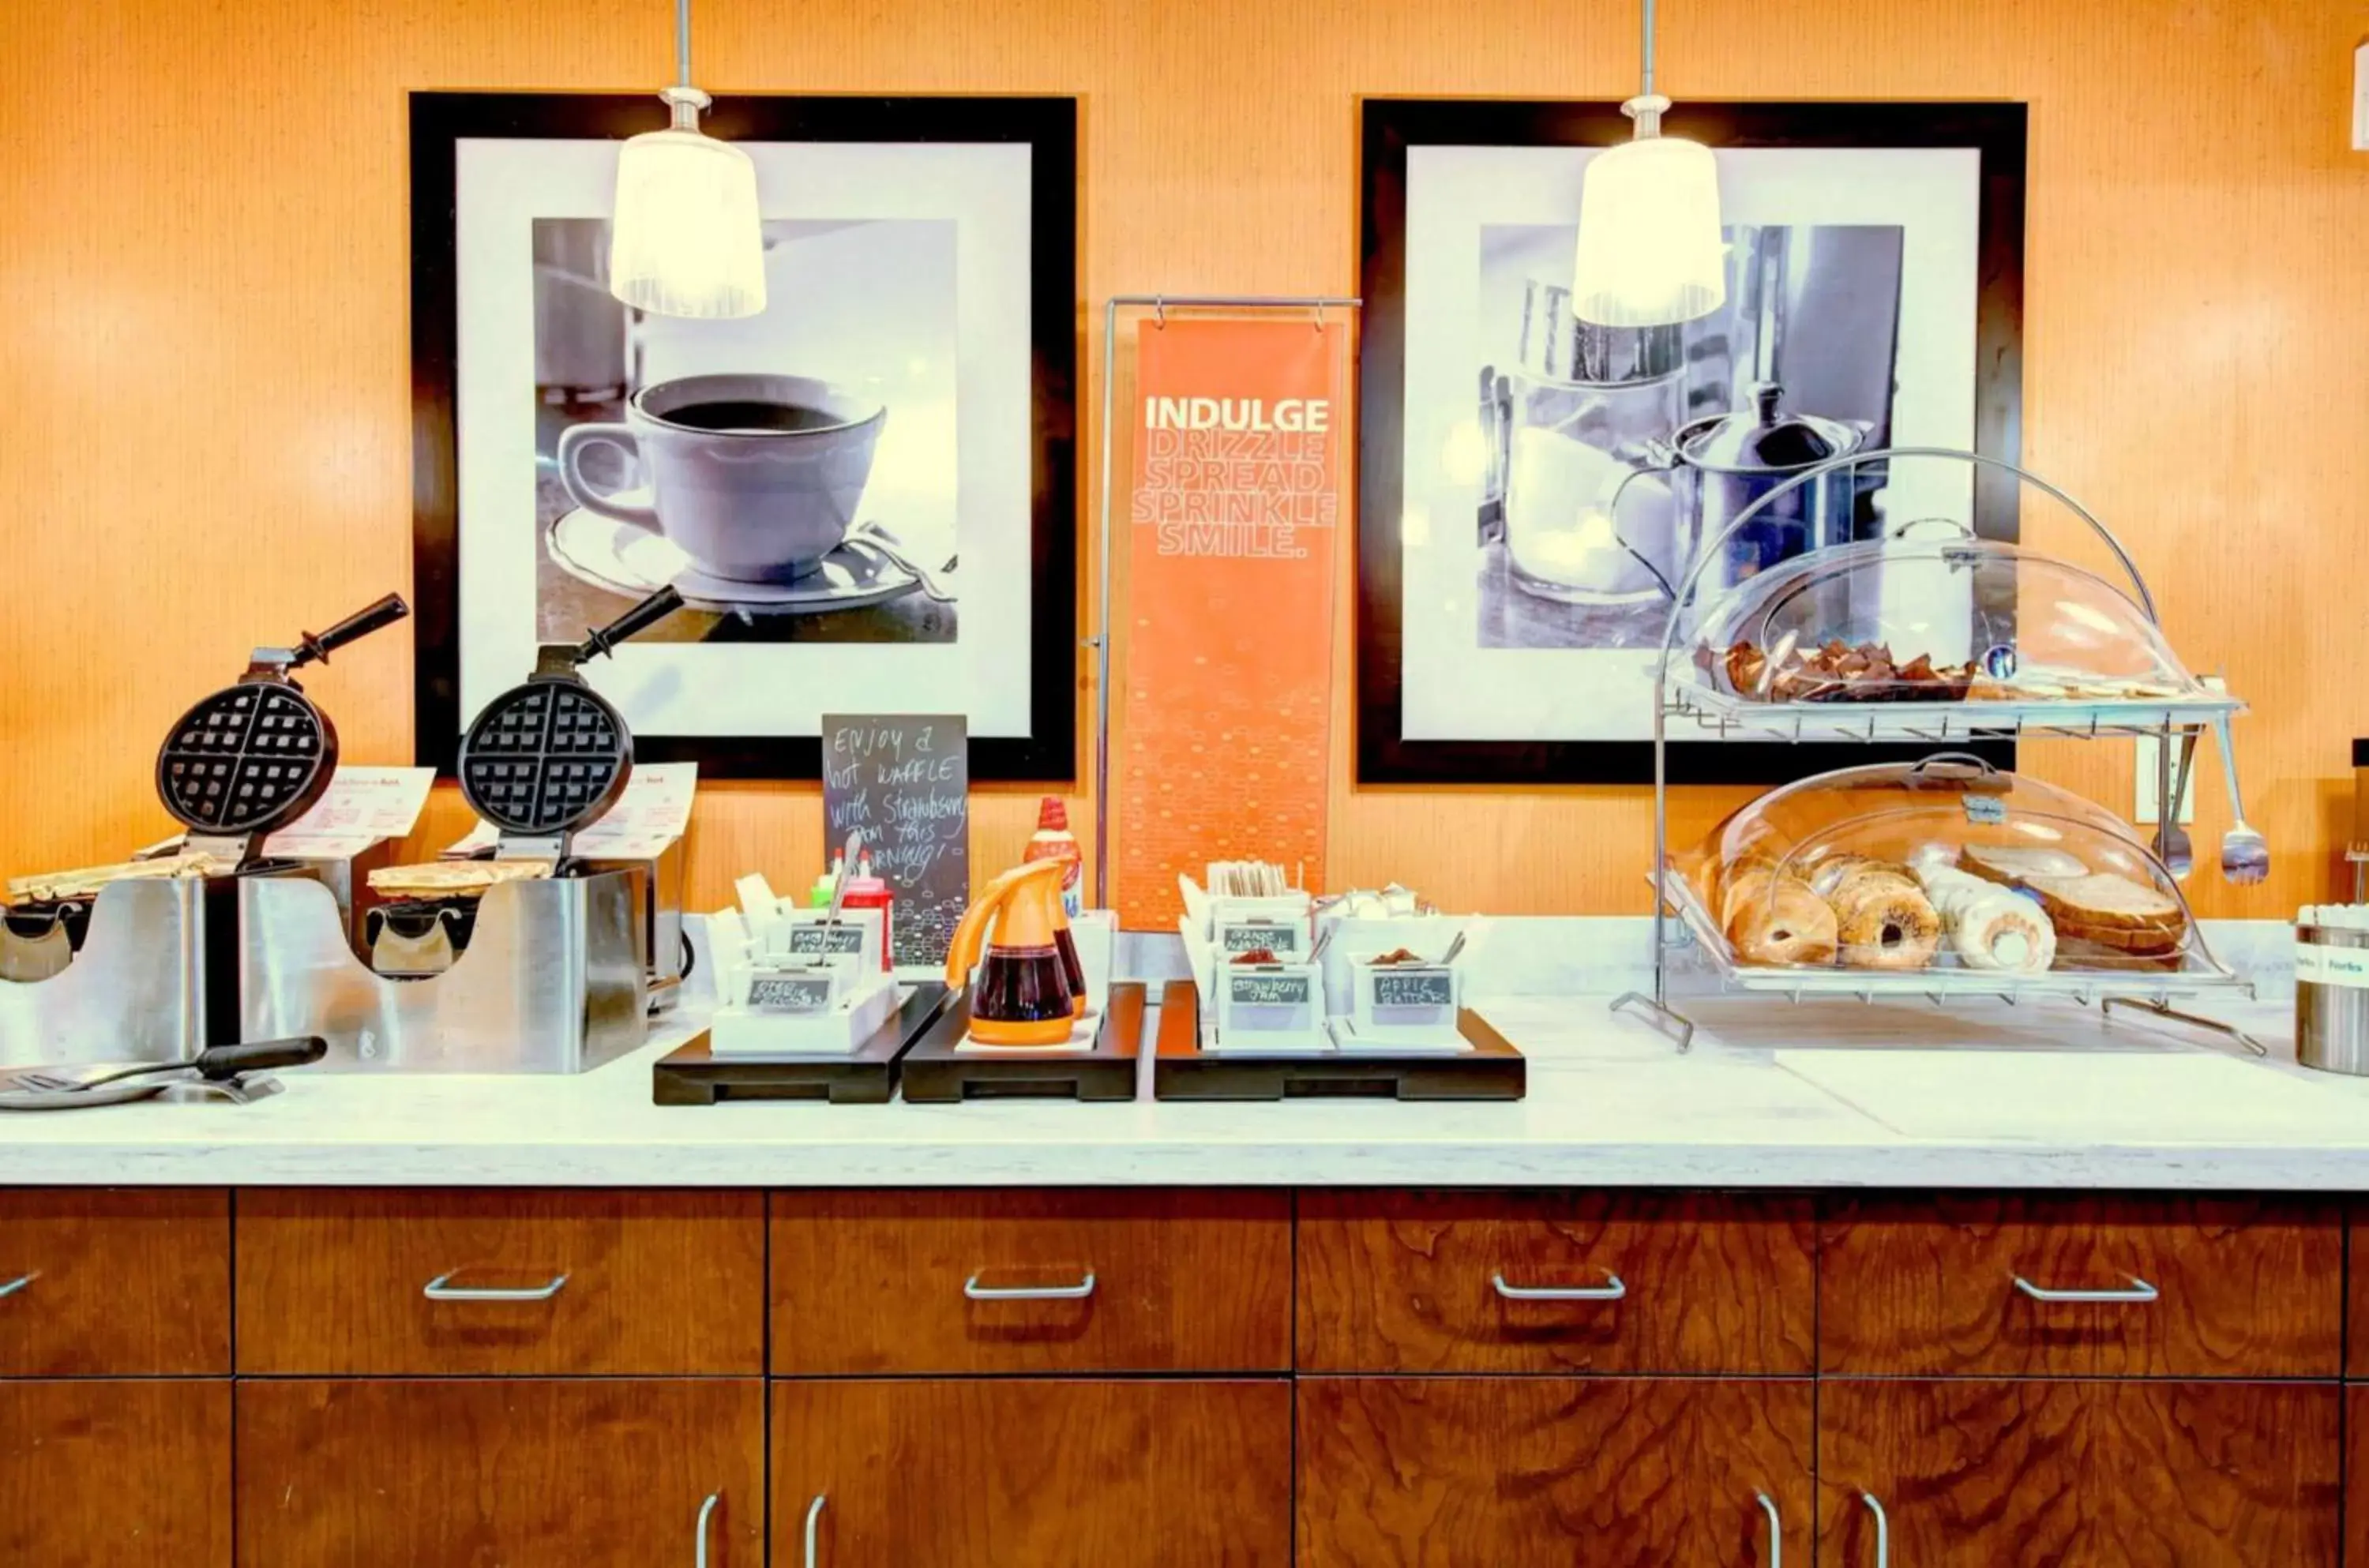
685	239
1649	248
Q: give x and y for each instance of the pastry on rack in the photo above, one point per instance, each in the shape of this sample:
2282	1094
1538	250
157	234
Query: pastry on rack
86	881
2127	920
1771	917
1883	918
1988	926
2010	864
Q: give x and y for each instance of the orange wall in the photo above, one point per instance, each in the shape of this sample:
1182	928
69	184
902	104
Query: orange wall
205	436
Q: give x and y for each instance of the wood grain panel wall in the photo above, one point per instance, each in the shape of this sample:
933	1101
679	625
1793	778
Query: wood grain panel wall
204	436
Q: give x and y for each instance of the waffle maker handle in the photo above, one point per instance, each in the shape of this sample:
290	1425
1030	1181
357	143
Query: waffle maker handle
360	624
641	617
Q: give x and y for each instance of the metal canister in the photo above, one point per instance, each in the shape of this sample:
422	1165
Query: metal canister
2332	999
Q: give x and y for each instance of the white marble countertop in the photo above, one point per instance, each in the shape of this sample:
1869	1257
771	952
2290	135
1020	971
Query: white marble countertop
1610	1104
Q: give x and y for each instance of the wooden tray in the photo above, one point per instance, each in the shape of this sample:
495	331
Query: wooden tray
1494	1069
937	1073
866	1076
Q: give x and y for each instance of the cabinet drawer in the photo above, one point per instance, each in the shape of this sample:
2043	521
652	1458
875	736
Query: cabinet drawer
427	1282
114	1282
2081	1287
1036	1472
115	1474
1544	1473
523	1472
1511	1282
1031	1282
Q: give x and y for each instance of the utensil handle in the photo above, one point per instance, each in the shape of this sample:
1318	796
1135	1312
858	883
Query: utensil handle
442	1288
1776	1530
218	1063
1612	1289
2139	1293
705	1510
640	618
1078	1292
10	1287
312	649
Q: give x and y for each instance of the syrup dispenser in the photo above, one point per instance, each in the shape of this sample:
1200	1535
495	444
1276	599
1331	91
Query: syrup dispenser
1031	988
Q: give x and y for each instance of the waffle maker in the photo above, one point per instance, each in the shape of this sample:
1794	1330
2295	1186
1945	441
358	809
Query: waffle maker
535	974
145	967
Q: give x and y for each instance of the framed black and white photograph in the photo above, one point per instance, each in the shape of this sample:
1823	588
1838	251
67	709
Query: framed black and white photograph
913	371
1534	489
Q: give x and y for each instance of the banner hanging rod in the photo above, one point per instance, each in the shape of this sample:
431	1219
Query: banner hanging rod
1100	641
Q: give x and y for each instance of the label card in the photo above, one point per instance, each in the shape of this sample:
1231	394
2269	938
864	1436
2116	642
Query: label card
362	805
1414	987
1268	990
790	994
819	937
1279	937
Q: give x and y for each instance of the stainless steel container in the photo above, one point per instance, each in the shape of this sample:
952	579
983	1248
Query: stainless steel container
137	992
2332	999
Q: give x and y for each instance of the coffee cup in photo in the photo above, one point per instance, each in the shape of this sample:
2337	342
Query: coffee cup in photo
756	479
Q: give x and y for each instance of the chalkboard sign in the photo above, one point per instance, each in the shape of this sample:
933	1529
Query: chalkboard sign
903	780
814	937
1249	936
1414	987
789	993
1268	990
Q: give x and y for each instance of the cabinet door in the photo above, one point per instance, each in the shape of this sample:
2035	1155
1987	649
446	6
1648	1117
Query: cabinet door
115	1474
1032	1474
523	1473
2140	1475
1545	1473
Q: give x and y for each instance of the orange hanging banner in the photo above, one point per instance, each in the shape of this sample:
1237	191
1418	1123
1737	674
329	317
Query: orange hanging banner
1226	732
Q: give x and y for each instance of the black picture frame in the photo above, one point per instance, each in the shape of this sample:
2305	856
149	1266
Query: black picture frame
1047	754
1394	125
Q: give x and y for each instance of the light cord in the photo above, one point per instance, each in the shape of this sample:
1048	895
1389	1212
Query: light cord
682	43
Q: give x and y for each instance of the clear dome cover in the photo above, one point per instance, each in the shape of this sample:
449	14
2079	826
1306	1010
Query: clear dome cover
1927	619
1946	863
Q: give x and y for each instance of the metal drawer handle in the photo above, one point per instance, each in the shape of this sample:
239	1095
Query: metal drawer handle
10	1288
1610	1290
1883	1531
814	1522
2139	1293
442	1288
1078	1292
706	1509
1776	1530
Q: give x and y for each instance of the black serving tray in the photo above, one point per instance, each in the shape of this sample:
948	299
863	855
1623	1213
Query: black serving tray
937	1073
866	1076
1181	1070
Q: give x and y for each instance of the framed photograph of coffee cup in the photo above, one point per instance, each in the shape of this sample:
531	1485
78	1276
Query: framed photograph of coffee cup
865	493
1534	490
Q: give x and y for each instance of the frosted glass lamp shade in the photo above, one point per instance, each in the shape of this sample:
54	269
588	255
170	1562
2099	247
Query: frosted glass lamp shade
1650	250
686	238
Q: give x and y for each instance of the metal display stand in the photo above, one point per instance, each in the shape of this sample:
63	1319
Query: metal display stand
1722	714
1100	642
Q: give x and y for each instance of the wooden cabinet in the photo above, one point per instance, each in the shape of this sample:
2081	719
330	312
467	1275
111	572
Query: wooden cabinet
1059	1282
1497	1282
1033	1474
2004	1474
1544	1472
1957	1287
116	1473
520	1473
526	1283
116	1282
